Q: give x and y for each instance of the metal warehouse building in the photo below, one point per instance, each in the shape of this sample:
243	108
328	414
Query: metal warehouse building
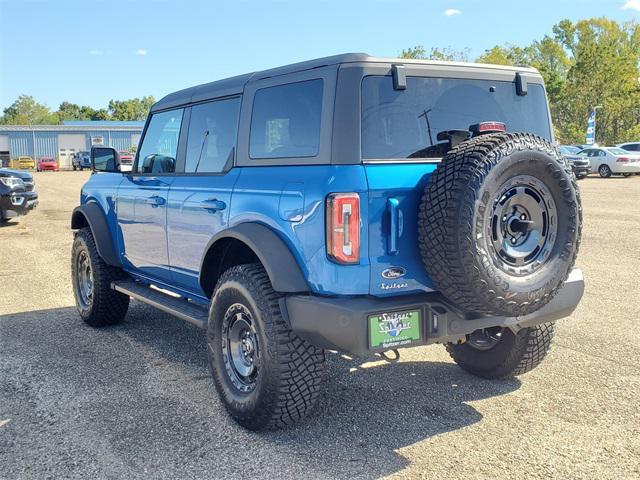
63	141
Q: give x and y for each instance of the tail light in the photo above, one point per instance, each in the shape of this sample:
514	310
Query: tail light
343	227
622	160
487	127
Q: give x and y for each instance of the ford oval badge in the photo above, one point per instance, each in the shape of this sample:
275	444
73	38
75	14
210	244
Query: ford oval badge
393	272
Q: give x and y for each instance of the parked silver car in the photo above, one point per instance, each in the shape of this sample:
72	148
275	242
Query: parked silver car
631	147
609	161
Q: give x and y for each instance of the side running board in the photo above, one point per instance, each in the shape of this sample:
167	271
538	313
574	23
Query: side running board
177	306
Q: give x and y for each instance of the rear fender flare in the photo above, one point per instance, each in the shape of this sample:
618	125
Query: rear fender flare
284	271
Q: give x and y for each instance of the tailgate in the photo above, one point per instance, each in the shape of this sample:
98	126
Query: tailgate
395	190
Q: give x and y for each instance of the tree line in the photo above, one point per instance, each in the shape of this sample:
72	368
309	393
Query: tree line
27	111
594	62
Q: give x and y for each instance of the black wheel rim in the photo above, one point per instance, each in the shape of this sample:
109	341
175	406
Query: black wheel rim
240	350
522	225
84	280
486	338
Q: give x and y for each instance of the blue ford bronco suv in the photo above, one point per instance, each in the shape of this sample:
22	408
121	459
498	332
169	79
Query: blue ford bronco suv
349	203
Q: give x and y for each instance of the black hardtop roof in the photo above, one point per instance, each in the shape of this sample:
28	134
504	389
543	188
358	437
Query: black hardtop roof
235	85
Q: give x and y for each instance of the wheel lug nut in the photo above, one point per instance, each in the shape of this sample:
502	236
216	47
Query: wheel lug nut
523	216
513	240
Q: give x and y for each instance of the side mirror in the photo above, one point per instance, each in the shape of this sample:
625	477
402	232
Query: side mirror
105	159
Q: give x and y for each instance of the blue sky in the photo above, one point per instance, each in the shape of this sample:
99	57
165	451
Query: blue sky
88	52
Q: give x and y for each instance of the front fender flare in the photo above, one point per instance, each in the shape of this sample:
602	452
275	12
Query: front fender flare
91	214
284	271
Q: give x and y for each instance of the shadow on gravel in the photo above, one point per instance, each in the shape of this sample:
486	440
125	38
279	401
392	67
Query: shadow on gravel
368	412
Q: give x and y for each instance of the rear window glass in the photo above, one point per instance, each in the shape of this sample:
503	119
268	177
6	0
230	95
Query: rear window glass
286	121
405	123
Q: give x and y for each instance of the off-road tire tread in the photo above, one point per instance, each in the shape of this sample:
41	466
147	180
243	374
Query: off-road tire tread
447	209
299	366
109	307
530	347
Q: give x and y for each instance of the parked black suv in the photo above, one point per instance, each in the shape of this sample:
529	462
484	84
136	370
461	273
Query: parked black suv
17	193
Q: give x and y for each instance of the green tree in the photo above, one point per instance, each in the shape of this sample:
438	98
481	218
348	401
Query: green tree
132	109
442	54
70	111
26	111
604	69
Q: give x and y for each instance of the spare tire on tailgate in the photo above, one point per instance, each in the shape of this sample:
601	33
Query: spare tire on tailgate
500	223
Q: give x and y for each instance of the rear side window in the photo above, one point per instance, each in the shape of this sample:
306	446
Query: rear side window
160	145
212	135
285	121
399	124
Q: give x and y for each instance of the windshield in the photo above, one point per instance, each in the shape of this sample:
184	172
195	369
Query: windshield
405	123
569	150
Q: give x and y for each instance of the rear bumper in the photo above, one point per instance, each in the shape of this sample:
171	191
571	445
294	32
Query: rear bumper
342	323
627	168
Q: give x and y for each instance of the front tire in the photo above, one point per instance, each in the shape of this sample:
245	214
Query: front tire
267	376
98	304
499	353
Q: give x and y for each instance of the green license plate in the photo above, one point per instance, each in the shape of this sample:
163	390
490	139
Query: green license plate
394	329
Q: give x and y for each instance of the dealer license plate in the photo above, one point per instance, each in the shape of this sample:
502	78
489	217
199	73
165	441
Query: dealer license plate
394	329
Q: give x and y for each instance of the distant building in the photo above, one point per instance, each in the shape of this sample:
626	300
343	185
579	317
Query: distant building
63	141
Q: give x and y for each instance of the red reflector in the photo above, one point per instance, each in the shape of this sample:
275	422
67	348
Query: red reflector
492	127
343	227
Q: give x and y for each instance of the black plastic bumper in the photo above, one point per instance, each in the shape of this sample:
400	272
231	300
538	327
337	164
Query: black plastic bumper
18	203
581	171
342	323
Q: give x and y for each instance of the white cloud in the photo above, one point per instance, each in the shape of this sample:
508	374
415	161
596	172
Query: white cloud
450	12
632	5
141	51
96	52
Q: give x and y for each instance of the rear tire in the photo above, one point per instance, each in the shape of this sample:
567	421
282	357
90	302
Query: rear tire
604	171
266	375
511	355
626	174
98	304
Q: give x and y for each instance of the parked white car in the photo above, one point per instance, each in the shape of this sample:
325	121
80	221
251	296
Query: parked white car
609	161
633	147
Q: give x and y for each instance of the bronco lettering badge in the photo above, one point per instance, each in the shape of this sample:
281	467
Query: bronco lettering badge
394	329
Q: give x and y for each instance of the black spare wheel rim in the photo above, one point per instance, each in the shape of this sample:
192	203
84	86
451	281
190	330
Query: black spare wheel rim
84	280
485	338
499	224
240	348
521	225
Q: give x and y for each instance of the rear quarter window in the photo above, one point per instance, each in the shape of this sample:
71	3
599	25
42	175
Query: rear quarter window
285	121
398	124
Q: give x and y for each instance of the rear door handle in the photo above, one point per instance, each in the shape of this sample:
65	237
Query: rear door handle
213	205
155	201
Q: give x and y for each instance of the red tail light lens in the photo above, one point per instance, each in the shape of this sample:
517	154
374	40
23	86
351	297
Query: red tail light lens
343	227
622	160
492	127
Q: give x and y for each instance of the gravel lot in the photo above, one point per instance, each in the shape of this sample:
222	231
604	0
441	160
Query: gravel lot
136	400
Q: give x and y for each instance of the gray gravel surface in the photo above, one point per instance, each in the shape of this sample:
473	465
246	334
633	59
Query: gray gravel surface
136	400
